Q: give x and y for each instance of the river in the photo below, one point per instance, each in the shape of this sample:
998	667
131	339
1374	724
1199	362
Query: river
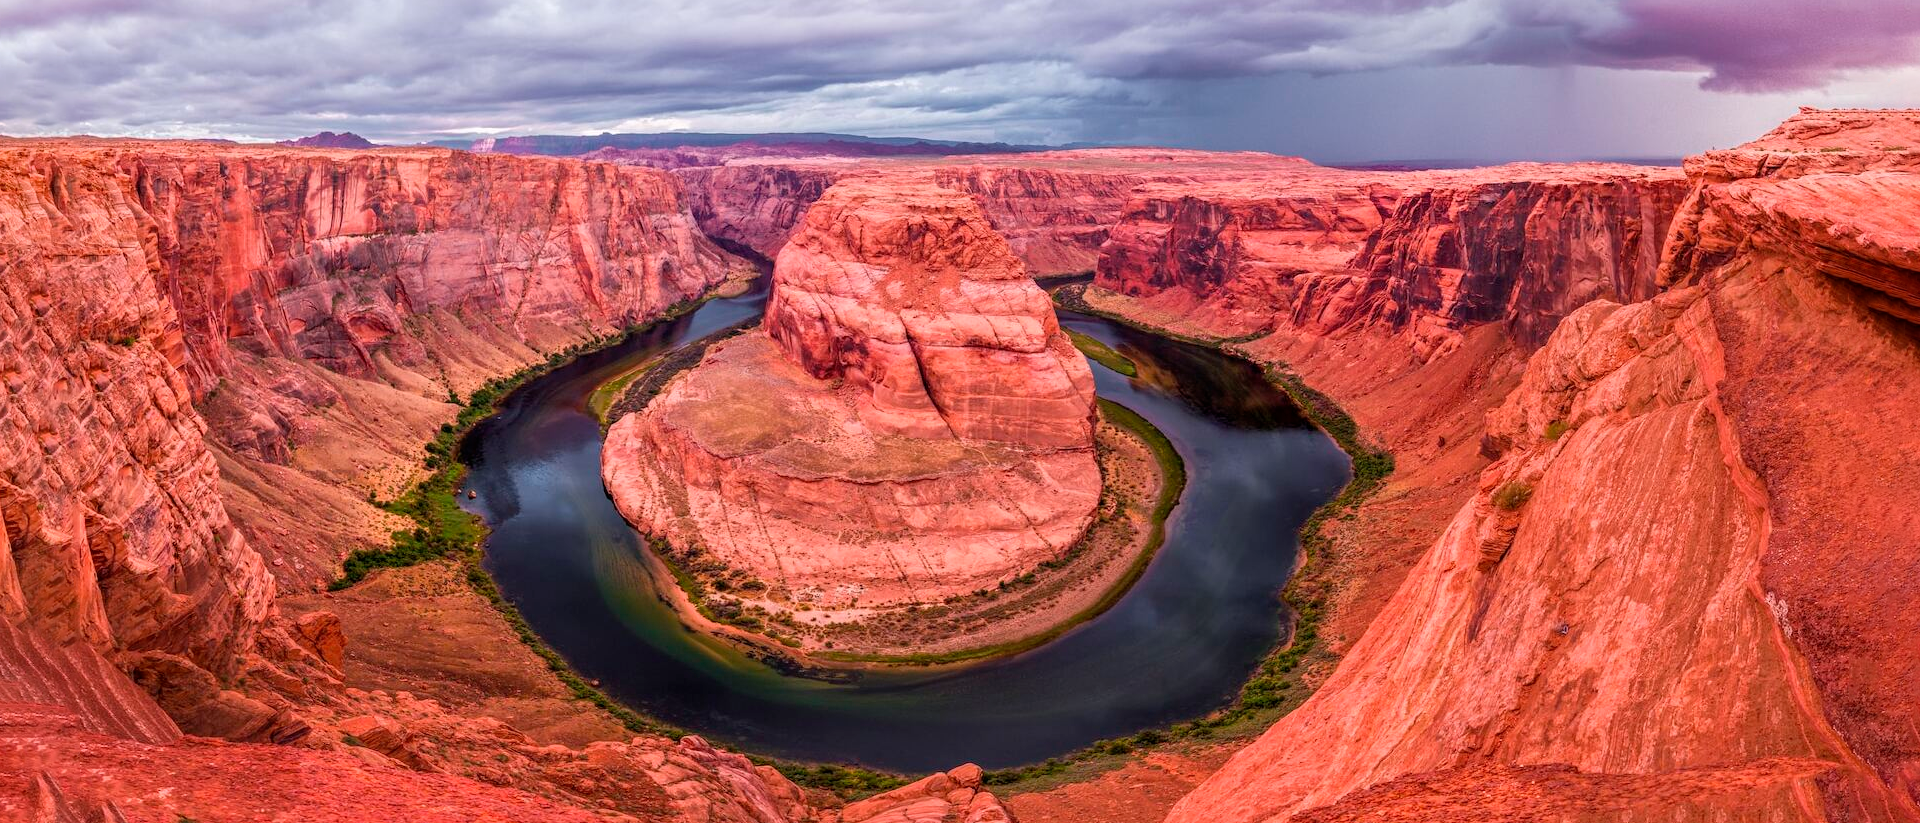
1178	645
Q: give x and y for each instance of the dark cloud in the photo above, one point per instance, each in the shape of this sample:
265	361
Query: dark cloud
1056	70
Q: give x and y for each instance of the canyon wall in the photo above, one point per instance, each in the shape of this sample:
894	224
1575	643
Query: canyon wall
1324	250
1524	248
909	423
115	535
329	303
278	285
1054	208
1665	579
320	306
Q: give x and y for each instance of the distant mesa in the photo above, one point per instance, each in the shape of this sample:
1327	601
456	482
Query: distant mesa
794	144
331	140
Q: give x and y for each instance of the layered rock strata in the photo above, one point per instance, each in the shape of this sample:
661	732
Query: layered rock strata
1054	208
1430	252
319	307
1661	574
910	422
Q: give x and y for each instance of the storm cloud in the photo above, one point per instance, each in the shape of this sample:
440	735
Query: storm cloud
1026	69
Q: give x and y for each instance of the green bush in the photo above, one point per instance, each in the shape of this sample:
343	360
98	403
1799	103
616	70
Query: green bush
1512	495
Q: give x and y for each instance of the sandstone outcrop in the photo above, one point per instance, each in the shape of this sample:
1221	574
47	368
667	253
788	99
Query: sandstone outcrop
115	535
910	423
1522	247
1661	573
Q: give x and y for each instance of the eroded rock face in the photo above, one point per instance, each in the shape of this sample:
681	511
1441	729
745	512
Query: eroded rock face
115	535
307	294
1523	251
1326	250
320	305
756	205
337	258
1054	208
1658	575
910	423
907	292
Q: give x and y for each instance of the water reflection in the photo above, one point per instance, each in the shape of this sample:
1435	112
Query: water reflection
1176	646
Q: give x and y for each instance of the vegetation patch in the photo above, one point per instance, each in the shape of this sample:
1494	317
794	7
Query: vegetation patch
1102	353
1511	496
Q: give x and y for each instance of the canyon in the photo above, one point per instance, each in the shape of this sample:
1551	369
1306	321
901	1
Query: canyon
1644	553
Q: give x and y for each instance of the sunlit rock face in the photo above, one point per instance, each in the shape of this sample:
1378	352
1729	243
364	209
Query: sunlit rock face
318	306
1431	253
1673	528
909	423
1055	209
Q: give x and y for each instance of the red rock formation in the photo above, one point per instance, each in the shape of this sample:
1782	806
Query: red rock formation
1659	574
307	294
951	795
755	205
322	305
1229	251
911	423
291	289
1324	250
906	292
114	531
340	259
1523	248
1055	208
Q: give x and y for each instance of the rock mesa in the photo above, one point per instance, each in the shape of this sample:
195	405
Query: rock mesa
909	423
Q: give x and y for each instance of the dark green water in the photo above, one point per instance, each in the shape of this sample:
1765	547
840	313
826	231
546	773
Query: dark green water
1178	645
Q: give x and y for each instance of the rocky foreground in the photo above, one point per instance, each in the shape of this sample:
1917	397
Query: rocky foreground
910	423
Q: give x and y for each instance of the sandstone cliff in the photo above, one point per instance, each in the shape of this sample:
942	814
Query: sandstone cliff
320	305
1324	250
115	535
1658	577
910	423
1054	208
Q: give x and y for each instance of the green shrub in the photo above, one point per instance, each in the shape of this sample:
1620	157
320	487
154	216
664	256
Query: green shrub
1512	495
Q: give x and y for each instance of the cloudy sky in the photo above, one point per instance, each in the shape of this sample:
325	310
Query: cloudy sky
1336	80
